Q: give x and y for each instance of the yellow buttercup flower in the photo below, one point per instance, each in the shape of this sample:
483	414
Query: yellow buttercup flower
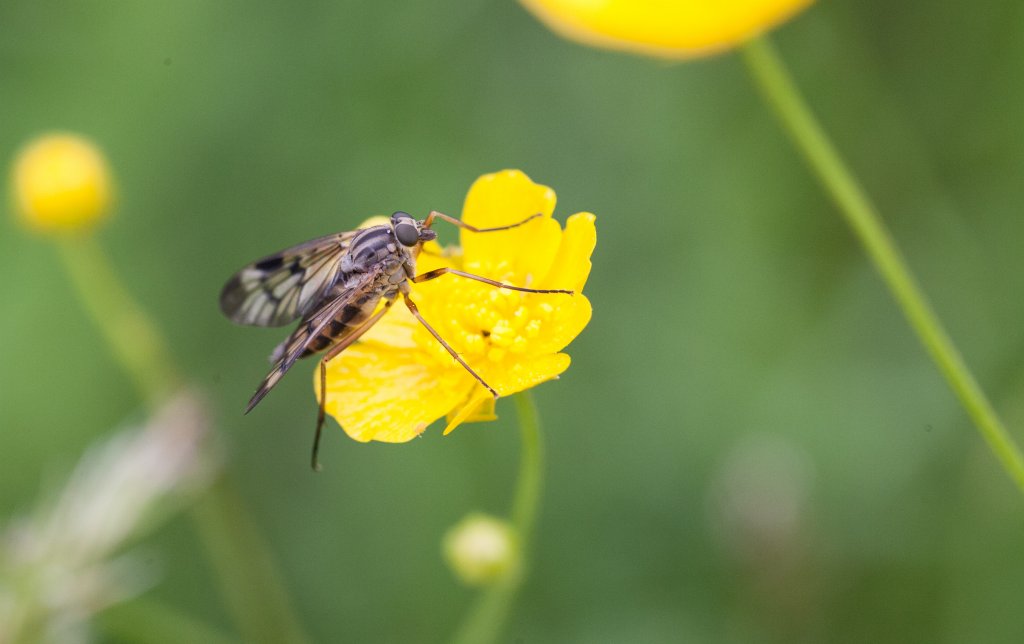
61	182
398	379
665	28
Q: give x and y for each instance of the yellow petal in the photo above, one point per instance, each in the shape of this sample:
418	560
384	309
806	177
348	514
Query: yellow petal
572	265
505	197
665	28
508	380
523	253
479	407
522	374
484	411
395	329
571	314
390	395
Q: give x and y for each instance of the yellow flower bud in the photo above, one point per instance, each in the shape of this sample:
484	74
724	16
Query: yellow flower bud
664	28
481	549
61	182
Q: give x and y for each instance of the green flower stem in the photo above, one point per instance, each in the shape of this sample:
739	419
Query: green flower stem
243	562
778	89
531	470
132	338
238	555
485	620
145	621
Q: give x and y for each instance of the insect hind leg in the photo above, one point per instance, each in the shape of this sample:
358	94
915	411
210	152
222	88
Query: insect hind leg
321	415
330	355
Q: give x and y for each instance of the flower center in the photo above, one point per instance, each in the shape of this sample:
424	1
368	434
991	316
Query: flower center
481	321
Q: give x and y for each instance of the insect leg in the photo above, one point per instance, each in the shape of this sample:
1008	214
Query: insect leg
330	355
314	462
416	312
461	224
438	272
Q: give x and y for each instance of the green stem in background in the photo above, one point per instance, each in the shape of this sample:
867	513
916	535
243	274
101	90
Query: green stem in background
249	580
778	89
145	621
530	485
485	620
132	338
239	556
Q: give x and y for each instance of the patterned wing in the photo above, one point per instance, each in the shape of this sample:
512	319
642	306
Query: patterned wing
283	287
291	349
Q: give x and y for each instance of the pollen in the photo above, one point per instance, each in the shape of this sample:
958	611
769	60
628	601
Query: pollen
532	329
485	323
502	333
519	345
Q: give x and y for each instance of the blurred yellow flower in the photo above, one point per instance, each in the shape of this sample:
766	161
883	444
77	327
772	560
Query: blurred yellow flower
61	182
665	28
398	379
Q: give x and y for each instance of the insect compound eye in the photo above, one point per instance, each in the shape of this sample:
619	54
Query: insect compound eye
407	232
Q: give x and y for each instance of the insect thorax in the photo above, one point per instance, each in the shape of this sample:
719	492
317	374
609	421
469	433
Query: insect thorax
376	249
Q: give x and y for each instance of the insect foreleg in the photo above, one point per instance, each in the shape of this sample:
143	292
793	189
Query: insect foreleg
416	312
330	355
461	224
438	272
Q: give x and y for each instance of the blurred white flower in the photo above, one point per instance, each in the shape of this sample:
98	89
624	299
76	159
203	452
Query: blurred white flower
758	497
58	565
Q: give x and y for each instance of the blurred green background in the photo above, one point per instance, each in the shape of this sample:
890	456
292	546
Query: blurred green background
750	445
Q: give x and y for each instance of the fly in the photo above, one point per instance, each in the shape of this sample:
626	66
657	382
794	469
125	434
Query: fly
333	285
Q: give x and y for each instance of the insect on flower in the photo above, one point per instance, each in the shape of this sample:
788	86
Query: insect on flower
338	286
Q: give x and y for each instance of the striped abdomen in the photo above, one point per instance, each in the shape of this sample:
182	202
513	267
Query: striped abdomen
348	319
